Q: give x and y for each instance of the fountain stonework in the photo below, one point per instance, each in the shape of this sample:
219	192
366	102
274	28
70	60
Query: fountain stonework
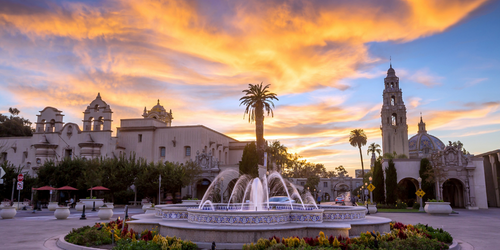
249	216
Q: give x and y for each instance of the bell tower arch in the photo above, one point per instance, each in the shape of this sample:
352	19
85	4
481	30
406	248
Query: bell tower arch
393	115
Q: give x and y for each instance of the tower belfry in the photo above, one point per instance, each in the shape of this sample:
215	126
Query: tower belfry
394	125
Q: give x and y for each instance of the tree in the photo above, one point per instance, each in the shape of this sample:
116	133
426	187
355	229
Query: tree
311	182
118	174
278	156
14	125
378	182
391	183
427	185
460	146
341	170
358	138
191	172
257	99
374	148
249	161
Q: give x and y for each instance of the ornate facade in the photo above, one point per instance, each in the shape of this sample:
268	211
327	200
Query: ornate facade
151	137
459	177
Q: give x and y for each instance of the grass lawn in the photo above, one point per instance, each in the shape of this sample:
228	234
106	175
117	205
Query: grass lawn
393	210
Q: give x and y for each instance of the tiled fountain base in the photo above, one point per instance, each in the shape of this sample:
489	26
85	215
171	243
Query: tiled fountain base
237	234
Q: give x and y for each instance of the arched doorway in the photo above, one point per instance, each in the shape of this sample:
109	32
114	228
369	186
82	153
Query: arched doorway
453	192
341	189
407	188
201	187
326	197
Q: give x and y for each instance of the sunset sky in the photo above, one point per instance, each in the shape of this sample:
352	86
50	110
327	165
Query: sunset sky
326	61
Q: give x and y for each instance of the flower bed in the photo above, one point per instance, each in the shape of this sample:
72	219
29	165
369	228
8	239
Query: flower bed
100	235
401	237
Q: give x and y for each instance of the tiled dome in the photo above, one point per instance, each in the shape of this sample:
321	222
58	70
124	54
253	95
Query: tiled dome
422	141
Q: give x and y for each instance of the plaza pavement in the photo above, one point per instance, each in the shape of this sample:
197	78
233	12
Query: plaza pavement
478	229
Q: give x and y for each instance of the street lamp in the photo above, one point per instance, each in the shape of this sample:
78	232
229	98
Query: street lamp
420	187
366	197
371	193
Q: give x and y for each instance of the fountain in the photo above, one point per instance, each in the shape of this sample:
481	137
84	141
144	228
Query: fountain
249	215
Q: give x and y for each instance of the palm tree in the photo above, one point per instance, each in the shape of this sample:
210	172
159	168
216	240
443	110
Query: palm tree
374	148
257	99
357	138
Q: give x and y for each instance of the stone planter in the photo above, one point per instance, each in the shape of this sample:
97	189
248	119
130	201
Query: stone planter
145	206
5	204
90	202
109	204
79	206
52	206
191	202
372	209
105	213
8	212
438	208
62	213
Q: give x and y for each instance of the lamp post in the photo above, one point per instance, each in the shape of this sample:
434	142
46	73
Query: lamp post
420	187
371	193
222	189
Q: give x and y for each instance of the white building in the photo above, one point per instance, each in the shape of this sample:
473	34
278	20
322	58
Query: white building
151	137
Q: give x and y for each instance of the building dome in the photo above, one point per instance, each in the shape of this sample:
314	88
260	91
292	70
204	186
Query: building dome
391	72
423	144
160	113
158	108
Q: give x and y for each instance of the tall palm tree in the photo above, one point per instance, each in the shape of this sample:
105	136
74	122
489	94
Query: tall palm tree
374	148
257	99
357	138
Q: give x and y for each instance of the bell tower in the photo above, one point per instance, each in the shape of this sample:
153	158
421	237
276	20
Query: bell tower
394	126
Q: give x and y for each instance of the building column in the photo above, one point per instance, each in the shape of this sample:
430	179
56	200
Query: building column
495	179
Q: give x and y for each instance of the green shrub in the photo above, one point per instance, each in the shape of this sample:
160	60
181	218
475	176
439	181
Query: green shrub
416	205
414	243
88	236
401	205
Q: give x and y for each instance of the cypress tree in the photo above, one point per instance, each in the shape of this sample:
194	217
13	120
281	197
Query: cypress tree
249	163
427	186
378	182
391	183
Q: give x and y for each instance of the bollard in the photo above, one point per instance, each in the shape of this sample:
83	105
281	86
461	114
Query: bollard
83	214
126	212
93	207
367	208
112	237
213	245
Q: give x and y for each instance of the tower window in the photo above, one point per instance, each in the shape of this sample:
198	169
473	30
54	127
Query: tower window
393	100
394	119
187	150
68	153
140	137
162	151
392	85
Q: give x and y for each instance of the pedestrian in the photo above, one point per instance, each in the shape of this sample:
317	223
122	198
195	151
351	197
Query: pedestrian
319	199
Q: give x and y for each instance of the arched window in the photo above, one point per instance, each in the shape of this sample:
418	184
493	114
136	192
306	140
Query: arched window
89	126
52	126
42	126
394	119
98	124
392	85
96	107
393	100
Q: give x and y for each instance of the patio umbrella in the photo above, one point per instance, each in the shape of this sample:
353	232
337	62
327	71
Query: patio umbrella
98	188
67	188
45	188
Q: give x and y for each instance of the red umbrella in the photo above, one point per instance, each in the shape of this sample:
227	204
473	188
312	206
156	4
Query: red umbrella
67	188
44	188
98	188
